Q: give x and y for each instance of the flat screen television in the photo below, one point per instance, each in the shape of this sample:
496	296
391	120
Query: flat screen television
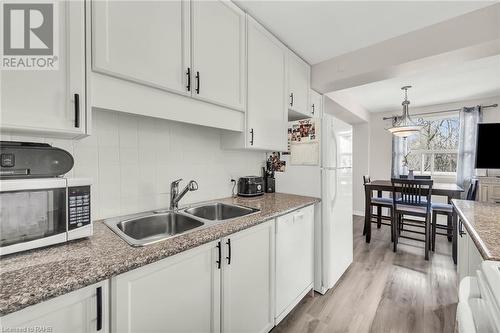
488	146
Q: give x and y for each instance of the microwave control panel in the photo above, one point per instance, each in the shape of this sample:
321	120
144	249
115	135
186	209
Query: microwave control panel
78	207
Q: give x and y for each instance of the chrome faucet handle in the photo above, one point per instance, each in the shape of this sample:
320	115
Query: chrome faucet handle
193	185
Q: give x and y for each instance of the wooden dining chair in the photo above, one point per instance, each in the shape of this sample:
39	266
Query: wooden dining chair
379	202
412	197
447	210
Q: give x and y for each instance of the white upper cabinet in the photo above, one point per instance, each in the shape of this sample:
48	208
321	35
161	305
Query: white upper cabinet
51	102
299	73
266	105
218	53
146	42
315	104
266	112
248	280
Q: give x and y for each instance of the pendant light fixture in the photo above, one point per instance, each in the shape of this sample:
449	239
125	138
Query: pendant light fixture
404	126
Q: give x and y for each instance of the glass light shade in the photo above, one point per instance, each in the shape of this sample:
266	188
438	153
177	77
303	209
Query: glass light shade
405	131
404	126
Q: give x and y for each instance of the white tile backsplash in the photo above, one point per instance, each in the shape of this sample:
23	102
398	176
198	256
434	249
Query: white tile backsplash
133	159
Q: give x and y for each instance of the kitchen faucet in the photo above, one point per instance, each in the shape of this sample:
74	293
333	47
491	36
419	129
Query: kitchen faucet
176	196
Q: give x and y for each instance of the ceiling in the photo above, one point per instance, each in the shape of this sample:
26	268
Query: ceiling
320	30
469	80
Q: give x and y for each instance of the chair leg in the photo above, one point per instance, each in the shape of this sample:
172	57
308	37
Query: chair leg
395	223
427	236
450	228
379	217
434	222
392	225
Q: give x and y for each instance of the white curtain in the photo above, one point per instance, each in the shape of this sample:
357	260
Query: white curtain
399	150
469	118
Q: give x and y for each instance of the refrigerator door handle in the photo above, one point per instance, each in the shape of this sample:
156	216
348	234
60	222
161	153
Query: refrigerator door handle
336	149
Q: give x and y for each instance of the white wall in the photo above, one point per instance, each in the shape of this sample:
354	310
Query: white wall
360	164
133	159
374	137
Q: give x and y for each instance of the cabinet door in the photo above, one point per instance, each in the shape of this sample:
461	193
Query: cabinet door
146	42
294	258
76	311
247	304
177	294
483	193
462	253
218	53
315	104
475	258
45	101
266	110
299	74
494	193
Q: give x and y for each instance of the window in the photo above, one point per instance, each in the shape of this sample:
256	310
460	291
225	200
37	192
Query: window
435	150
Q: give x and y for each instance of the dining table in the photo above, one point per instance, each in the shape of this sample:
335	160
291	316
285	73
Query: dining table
448	190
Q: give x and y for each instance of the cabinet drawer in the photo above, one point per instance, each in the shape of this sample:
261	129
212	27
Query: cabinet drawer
494	192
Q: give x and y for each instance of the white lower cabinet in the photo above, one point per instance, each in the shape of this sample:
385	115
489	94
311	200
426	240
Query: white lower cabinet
248	280
84	310
198	291
177	294
243	283
469	258
294	259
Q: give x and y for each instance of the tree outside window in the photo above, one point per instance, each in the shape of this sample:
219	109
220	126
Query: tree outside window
435	150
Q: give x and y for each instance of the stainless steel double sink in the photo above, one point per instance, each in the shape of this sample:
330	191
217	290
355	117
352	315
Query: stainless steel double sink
151	227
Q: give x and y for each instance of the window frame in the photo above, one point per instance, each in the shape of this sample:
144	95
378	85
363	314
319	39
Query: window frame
433	152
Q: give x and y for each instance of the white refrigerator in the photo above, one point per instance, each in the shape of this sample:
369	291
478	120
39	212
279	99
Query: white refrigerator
322	167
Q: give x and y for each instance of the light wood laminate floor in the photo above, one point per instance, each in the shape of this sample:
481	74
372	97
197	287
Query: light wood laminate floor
383	291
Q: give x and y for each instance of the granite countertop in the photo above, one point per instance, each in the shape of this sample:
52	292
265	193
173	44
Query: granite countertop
482	221
34	276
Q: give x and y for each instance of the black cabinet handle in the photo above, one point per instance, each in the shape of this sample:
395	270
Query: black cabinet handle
251	137
291	99
77	110
99	308
461	232
188	73
313	109
198	82
228	242
219	256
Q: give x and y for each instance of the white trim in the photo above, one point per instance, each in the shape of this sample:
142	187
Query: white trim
358	212
292	305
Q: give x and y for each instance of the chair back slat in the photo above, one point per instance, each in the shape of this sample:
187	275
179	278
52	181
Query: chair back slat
415	177
411	191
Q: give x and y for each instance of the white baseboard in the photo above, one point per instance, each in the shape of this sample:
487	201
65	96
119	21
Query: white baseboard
359	213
